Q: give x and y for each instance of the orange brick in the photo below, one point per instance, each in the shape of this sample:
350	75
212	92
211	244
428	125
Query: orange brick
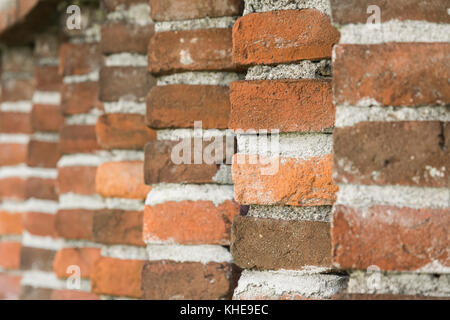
40	188
10	255
117	277
189	222
47	118
74	224
84	258
78	180
13	188
283	36
80	97
12	153
79	58
10	223
15	122
9	284
122	180
43	154
297	182
78	139
39	224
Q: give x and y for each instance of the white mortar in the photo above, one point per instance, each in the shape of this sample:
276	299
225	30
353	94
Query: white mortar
194	24
47	98
124	106
30	205
14	138
22	171
124	252
275	5
126	59
17	106
138	14
302	70
200	78
185	253
319	213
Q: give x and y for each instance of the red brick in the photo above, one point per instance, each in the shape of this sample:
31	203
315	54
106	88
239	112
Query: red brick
78	180
117	277
122	180
18	60
43	154
10	255
355	11
117	83
12	153
120	37
36	259
190	50
84	258
165	10
394	239
73	295
281	244
79	58
178	106
412	78
118	227
74	224
46	118
13	188
286	105
189	222
40	188
10	223
123	131
9	284
47	78
39	224
283	36
80	97
297	182
18	89
188	280
78	139
15	122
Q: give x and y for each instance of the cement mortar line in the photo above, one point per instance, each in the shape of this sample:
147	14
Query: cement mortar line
89	118
395	31
45	136
347	116
47	98
305	69
196	24
178	134
14	138
125	107
200	78
23	171
138	14
72	201
252	6
23	106
30	205
188	253
48	280
89	77
126	59
99	157
49	61
290	213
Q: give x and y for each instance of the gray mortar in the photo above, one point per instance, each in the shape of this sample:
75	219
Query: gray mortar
275	5
399	283
302	70
200	78
194	24
319	213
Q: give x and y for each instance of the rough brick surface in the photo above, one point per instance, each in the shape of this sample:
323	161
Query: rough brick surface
20	89
78	180
132	83
78	139
190	50
80	97
123	131
39	224
164	10
189	222
15	122
368	153
74	224
406	239
283	36
117	277
412	78
10	255
280	244
118	227
12	153
355	11
46	118
36	259
188	280
120	37
178	106
47	78
84	258
79	58
42	154
10	223
13	188
286	105
40	188
297	182
121	180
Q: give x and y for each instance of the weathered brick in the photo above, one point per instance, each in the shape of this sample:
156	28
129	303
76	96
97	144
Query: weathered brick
43	154
118	227
80	97
9	285
189	222
18	59
12	153
46	118
78	139
281	244
79	58
123	131
15	122
84	258
10	223
36	259
297	182
120	37
47	78
188	280
74	224
39	224
18	89
78	180
117	277
355	11
412	78
12	188
40	188
283	36
387	153
190	50
10	255
400	239
73	295
286	105
165	10
122	180
178	106
117	83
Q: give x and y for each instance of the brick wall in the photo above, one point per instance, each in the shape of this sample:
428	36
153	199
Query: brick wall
225	149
